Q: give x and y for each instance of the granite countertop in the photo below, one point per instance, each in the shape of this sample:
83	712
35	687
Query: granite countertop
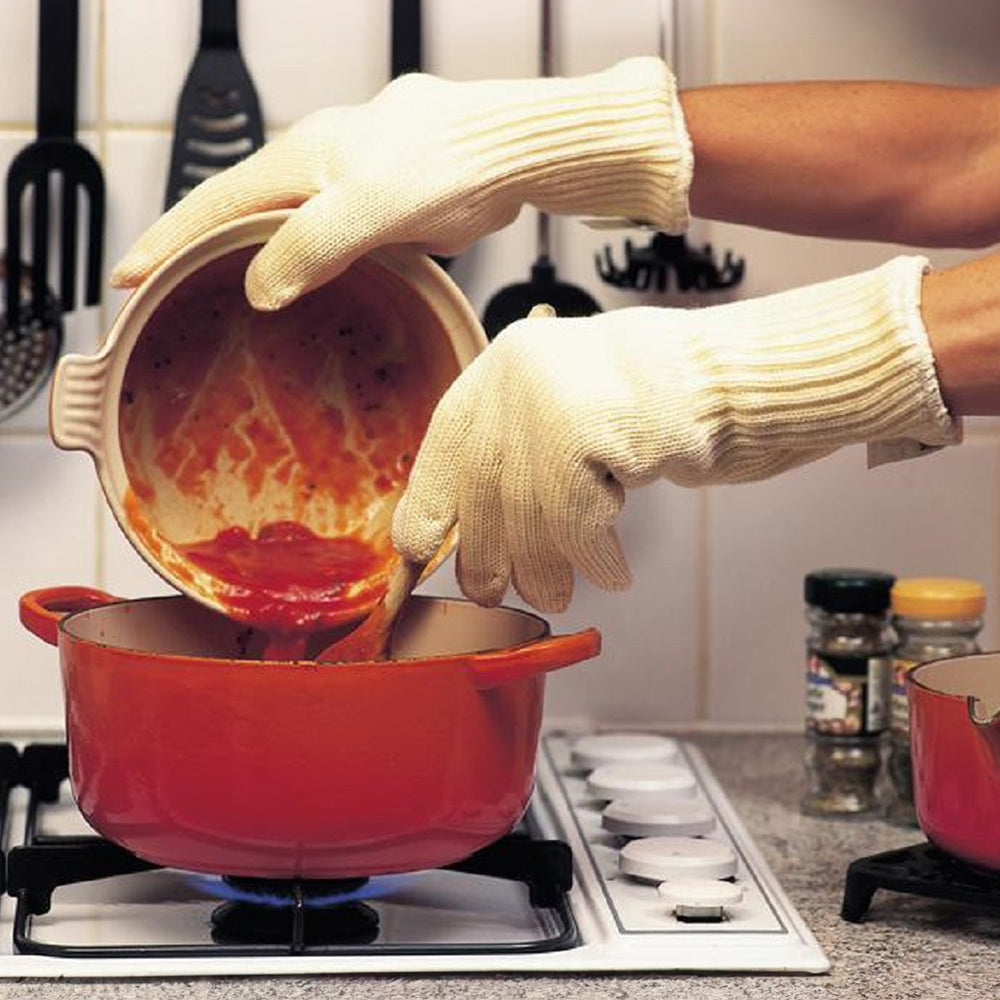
906	947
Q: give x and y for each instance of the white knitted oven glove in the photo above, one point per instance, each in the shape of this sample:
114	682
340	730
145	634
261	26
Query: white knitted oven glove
532	447
440	164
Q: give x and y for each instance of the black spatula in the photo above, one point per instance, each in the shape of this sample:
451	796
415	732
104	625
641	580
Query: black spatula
218	115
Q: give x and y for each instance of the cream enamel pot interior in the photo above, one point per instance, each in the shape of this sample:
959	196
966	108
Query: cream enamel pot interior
208	420
955	747
192	754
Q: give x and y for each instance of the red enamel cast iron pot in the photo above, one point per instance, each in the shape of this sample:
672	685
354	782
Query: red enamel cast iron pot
955	747
192	754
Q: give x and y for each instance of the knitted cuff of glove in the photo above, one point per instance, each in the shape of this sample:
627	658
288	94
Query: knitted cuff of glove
612	144
795	375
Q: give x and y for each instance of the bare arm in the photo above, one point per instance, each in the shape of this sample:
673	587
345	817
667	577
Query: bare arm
895	162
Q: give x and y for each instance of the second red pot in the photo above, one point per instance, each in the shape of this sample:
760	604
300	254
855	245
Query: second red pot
192	754
955	746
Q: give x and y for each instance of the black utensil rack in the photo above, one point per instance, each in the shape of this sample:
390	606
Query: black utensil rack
668	262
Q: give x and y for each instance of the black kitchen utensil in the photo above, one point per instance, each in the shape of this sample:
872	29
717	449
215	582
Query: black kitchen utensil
29	349
218	119
514	302
647	267
406	54
55	154
406	44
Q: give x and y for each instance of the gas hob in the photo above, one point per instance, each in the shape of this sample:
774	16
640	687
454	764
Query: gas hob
630	857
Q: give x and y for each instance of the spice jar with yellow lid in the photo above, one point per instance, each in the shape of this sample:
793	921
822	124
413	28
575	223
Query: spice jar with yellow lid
932	617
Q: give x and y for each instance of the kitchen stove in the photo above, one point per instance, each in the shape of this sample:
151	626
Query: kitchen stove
557	894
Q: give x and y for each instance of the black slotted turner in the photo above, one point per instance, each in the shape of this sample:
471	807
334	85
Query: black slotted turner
54	155
218	115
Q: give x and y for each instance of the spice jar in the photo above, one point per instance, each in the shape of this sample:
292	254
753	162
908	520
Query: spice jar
932	617
848	664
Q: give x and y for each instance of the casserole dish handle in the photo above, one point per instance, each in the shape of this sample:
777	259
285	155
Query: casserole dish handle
42	610
502	666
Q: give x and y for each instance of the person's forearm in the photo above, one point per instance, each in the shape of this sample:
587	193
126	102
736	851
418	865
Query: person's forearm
961	312
904	163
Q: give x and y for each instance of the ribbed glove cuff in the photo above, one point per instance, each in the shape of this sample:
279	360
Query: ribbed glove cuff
786	378
610	144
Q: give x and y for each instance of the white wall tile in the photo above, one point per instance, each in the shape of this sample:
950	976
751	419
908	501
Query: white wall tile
928	517
19	57
48	514
651	642
124	572
464	41
136	165
148	48
831	39
301	55
304	55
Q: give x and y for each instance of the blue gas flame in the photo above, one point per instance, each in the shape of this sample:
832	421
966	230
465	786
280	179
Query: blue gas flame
377	887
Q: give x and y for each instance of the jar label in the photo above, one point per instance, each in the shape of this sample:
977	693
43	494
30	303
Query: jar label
899	706
847	695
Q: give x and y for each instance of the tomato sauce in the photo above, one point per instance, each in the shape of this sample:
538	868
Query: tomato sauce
267	450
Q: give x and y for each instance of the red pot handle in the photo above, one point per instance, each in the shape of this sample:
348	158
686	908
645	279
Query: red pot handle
501	666
41	611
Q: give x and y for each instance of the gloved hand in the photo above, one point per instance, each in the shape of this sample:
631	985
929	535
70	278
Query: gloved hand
440	164
531	449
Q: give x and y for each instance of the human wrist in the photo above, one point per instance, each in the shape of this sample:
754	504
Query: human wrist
961	311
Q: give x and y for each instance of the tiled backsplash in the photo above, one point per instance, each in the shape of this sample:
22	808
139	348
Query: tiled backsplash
712	629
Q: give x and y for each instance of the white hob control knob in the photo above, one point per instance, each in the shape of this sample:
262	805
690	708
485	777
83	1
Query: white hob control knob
700	898
662	859
658	816
592	751
617	781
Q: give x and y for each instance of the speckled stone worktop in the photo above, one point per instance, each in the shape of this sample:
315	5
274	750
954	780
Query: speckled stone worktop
906	948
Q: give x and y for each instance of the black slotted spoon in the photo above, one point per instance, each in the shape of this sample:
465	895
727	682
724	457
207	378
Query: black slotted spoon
543	287
31	330
54	155
218	120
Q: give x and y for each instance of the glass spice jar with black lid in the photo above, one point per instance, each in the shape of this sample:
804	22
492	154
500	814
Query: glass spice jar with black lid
848	667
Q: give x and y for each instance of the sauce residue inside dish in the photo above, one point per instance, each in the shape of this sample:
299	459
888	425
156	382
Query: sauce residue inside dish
265	452
286	575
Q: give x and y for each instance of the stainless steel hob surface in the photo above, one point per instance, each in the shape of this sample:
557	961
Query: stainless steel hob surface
905	947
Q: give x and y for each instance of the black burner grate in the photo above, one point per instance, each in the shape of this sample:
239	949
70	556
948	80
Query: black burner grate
349	923
921	870
42	863
10	775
